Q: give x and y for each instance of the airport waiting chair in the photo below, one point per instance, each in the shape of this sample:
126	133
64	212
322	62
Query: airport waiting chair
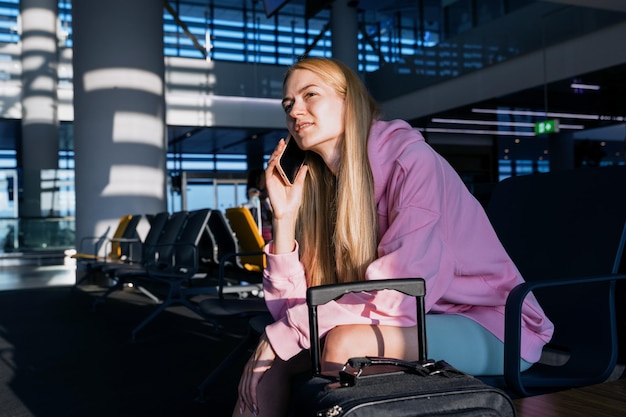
234	274
122	247
248	237
128	246
157	224
164	232
239	288
175	265
233	301
565	231
119	272
96	243
210	251
224	238
115	247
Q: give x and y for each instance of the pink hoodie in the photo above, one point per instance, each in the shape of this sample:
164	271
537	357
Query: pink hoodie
430	227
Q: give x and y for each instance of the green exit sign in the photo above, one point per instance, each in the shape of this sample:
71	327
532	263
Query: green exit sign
547	126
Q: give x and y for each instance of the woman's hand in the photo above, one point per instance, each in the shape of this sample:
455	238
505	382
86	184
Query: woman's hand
257	365
285	199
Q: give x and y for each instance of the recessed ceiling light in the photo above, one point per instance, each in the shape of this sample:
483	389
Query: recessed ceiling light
478	132
579	86
538	114
481	122
498	123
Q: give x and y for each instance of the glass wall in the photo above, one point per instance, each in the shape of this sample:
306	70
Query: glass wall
195	190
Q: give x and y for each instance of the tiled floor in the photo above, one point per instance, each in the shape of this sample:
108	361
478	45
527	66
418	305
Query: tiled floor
36	276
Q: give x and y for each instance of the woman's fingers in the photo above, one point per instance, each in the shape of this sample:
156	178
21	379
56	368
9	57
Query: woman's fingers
278	151
272	176
255	368
246	390
255	377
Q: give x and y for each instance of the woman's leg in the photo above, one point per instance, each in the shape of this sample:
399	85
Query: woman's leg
274	389
458	340
344	342
466	345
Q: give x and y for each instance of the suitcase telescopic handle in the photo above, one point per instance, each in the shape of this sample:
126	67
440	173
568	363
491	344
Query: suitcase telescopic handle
323	294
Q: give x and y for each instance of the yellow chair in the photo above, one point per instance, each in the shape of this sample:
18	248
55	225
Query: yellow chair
115	251
119	249
250	240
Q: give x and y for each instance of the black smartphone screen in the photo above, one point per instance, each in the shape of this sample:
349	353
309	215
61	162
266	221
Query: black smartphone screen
291	160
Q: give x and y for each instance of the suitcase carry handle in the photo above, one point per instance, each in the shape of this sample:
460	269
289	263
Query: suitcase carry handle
358	368
323	294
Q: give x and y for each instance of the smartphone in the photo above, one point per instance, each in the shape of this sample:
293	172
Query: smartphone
290	161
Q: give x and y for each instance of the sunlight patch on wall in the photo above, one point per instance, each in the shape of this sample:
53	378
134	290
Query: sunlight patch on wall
136	181
132	79
213	110
138	128
65	104
38	110
39	18
33	63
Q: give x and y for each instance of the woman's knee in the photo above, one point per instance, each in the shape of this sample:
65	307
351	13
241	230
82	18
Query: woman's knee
344	342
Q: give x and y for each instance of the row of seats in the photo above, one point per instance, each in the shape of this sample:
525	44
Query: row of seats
223	250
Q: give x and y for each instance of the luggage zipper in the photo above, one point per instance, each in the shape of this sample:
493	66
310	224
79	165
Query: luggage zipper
331	412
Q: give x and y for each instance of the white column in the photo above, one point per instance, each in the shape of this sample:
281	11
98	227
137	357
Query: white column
119	111
39	145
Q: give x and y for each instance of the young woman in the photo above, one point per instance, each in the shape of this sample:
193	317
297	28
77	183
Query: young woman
374	201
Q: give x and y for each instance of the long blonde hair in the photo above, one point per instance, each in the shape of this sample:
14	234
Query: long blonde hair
337	225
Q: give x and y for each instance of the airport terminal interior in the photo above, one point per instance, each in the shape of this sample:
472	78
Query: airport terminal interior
478	78
500	88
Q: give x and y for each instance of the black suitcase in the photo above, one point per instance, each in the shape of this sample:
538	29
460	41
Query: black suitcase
369	387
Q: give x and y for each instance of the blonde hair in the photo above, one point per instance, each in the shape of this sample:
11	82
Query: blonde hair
337	224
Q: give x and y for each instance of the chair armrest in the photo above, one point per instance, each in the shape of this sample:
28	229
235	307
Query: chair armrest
124	240
513	323
222	268
96	242
107	248
130	240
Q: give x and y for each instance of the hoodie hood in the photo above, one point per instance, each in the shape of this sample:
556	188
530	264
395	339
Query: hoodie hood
387	141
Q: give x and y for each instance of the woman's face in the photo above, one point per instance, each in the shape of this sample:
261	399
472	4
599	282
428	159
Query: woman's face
314	113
